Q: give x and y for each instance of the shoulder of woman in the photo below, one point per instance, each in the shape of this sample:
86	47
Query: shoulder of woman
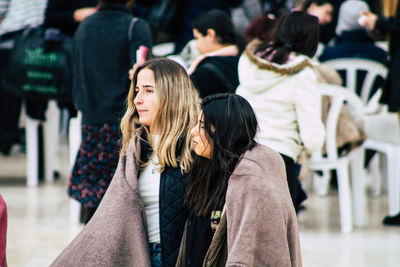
295	65
260	174
261	160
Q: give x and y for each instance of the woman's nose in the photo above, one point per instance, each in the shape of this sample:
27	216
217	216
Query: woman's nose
138	99
193	131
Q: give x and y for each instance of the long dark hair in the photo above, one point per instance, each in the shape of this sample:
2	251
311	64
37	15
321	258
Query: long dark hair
298	32
221	23
261	28
230	122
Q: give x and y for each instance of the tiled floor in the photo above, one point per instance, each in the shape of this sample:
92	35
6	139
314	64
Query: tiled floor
39	228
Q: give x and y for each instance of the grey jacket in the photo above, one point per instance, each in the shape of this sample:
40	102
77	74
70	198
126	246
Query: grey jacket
117	235
259	226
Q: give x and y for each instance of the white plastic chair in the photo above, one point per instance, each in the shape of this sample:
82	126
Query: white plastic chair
32	151
373	70
51	140
383	137
349	168
381	127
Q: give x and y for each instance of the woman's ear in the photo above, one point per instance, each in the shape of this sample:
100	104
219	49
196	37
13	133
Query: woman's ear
212	35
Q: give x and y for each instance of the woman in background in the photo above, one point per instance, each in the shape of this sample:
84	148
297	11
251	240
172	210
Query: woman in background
241	213
100	95
215	70
140	220
279	80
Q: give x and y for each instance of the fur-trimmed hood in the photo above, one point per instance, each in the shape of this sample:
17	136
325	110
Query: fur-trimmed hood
255	70
286	102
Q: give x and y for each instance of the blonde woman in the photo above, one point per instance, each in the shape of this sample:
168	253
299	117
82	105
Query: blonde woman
140	220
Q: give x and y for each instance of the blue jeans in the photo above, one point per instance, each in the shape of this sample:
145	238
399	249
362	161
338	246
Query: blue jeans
155	255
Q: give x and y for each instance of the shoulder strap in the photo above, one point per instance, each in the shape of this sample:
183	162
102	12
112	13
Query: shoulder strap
221	75
130	31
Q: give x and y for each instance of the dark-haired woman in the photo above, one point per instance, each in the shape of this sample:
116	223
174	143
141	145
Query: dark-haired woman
279	81
241	211
215	70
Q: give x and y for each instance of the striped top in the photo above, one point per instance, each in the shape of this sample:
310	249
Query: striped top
18	14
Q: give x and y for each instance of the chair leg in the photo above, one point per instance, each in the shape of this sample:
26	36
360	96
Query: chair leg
74	211
321	182
32	151
358	176
375	171
51	141
345	198
393	182
74	140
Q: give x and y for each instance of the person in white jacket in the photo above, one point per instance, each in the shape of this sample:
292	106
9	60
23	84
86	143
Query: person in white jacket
279	81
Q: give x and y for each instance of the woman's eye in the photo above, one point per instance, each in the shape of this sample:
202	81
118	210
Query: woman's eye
149	90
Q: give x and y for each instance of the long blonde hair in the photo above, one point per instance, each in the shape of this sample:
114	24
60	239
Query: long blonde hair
176	114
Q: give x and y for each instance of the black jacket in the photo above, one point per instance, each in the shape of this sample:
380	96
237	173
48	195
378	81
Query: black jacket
102	56
354	44
391	92
216	75
172	214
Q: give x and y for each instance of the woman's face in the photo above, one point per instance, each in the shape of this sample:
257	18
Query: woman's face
202	143
323	12
146	99
203	42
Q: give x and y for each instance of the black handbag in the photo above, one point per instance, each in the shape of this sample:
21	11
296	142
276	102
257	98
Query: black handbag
40	65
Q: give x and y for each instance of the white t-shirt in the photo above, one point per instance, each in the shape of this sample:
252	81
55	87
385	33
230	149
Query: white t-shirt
149	188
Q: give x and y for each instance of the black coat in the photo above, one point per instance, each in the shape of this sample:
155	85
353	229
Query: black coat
216	75
391	92
103	54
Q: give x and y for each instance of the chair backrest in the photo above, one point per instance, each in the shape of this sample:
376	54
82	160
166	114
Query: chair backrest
340	96
354	70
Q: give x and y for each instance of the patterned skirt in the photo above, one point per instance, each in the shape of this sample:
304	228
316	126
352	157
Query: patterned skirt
95	164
